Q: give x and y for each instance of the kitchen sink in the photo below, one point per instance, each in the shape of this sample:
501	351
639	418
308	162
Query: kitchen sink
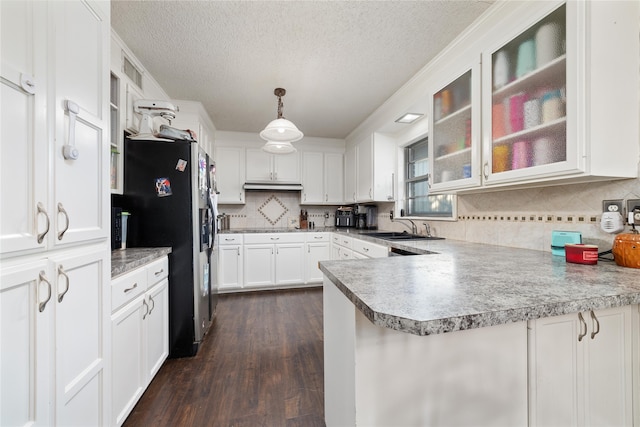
392	235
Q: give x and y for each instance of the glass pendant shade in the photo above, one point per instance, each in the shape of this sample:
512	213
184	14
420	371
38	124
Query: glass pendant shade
281	130
279	147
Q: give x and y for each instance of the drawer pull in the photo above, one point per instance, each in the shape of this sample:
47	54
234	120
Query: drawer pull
365	249
227	239
275	238
157	273
596	324
135	285
582	323
43	304
317	237
62	273
153	306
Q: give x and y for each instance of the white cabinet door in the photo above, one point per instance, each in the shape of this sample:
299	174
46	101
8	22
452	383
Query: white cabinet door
266	167
82	329
364	170
312	177
230	174
26	314
127	357
316	252
581	369
286	168
258	168
132	119
259	267
81	76
156	325
289	263
23	125
230	266
384	168
350	167
333	178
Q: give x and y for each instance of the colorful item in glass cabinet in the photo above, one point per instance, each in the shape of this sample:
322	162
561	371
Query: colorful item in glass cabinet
521	155
446	102
526	58
516	111
467	134
552	106
548	43
437	107
497	121
546	151
466	170
531	113
501	69
500	158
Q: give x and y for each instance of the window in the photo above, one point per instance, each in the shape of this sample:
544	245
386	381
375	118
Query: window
418	200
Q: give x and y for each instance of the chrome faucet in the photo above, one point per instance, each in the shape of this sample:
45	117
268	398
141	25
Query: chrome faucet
427	229
414	229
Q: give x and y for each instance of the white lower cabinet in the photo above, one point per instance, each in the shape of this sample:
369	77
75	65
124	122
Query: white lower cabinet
581	369
53	347
318	248
140	333
273	259
230	261
345	247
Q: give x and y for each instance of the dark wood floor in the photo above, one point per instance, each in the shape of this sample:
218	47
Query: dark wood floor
261	364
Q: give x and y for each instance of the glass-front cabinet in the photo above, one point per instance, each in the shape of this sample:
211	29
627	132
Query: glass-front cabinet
525	124
455	123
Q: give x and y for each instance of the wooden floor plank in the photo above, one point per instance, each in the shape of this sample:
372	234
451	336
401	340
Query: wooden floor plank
261	364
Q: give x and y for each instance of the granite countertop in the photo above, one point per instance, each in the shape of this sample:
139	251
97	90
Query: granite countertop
462	285
125	260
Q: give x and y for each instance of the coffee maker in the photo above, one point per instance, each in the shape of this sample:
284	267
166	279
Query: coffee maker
366	217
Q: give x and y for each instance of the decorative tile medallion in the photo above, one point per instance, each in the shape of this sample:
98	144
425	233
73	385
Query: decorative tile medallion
273	209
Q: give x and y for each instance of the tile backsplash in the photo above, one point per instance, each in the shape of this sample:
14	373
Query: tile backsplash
525	218
274	209
522	218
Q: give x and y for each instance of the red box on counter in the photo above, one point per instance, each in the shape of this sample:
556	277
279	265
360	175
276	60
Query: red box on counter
581	254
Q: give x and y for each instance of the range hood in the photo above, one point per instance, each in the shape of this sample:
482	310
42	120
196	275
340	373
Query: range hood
268	186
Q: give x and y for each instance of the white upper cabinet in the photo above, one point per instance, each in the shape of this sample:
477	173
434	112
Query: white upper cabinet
24	144
192	115
350	164
322	178
274	168
55	141
376	169
82	78
557	101
455	123
230	174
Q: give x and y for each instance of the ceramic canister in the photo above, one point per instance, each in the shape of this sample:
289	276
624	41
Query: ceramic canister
500	69
548	43
552	106
516	111
531	113
520	155
526	58
497	121
500	158
546	150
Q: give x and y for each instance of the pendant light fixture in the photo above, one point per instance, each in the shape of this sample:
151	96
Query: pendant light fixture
280	133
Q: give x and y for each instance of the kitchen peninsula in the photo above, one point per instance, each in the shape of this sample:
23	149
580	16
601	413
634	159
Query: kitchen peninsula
480	335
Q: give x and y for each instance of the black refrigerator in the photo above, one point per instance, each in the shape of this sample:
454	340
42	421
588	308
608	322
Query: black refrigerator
168	191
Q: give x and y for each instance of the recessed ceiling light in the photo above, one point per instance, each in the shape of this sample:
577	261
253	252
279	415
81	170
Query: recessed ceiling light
409	118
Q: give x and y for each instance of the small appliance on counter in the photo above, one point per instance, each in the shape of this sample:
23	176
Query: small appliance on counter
626	250
561	238
116	228
345	217
366	217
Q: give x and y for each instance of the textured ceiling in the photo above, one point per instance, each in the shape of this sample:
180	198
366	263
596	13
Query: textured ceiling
338	60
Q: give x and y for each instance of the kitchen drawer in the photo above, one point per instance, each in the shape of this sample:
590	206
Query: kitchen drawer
125	288
274	238
317	237
157	270
370	250
230	239
342	240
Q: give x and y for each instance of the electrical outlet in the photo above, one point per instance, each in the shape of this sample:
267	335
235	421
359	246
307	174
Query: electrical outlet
633	211
326	214
613	206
